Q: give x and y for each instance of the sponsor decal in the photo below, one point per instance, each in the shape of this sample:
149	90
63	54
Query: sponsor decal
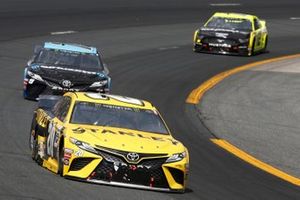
107	131
54	132
81	130
69	151
42	119
64	89
219	45
78	153
237	21
66	161
67	155
222	35
68	69
220	30
31	81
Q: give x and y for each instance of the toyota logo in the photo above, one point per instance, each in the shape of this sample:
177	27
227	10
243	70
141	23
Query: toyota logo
66	83
133	157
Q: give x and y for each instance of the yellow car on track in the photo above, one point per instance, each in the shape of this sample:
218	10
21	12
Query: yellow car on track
232	33
107	139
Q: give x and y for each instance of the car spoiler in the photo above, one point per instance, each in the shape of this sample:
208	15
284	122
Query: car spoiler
47	102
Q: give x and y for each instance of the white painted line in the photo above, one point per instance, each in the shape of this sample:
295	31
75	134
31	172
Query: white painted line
166	48
224	4
62	32
294	18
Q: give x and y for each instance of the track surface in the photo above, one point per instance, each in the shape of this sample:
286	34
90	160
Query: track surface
164	76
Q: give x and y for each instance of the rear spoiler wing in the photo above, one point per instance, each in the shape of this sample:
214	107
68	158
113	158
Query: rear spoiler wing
47	102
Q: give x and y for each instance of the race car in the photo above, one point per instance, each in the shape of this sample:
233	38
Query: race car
56	68
232	33
107	139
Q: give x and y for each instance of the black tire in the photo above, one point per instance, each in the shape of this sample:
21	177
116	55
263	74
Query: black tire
195	49
33	145
60	158
266	44
33	92
252	50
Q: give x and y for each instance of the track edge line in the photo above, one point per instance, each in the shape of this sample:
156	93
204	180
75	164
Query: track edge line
197	93
255	162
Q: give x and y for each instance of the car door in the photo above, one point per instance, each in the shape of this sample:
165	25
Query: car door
56	126
258	35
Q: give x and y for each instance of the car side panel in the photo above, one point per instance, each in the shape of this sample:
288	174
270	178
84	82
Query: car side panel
49	130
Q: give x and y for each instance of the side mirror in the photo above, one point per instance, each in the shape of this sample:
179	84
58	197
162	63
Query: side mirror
37	49
29	62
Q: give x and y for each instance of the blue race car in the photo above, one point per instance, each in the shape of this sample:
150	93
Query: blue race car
56	68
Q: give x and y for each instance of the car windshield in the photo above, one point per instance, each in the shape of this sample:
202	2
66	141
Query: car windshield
69	59
118	116
230	23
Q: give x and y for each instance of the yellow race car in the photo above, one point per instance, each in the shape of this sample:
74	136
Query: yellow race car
107	139
232	33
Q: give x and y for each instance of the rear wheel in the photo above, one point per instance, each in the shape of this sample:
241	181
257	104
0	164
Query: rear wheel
33	145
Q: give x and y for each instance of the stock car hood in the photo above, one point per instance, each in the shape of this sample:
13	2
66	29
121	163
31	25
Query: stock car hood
126	139
60	73
224	33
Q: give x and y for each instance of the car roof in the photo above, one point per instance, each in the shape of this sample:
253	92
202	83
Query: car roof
70	47
110	99
234	15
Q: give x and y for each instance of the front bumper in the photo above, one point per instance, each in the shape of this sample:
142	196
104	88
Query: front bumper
33	88
149	174
222	49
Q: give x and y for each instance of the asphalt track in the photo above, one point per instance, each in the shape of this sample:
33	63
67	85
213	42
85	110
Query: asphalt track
147	46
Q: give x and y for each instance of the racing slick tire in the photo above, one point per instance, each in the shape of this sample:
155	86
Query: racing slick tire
61	158
251	53
266	44
33	145
32	92
196	49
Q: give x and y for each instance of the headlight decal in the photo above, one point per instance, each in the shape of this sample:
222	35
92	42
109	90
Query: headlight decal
176	157
99	83
83	145
34	76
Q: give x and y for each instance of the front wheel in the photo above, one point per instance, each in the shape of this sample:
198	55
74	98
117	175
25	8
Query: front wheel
33	145
251	52
266	44
61	159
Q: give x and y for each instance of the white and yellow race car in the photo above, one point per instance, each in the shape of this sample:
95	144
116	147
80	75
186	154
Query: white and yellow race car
232	33
107	139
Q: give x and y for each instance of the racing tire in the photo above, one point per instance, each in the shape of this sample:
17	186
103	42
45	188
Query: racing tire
251	53
195	49
32	92
266	45
33	145
61	158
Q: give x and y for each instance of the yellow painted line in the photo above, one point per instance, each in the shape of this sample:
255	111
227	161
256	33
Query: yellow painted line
257	163
195	96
